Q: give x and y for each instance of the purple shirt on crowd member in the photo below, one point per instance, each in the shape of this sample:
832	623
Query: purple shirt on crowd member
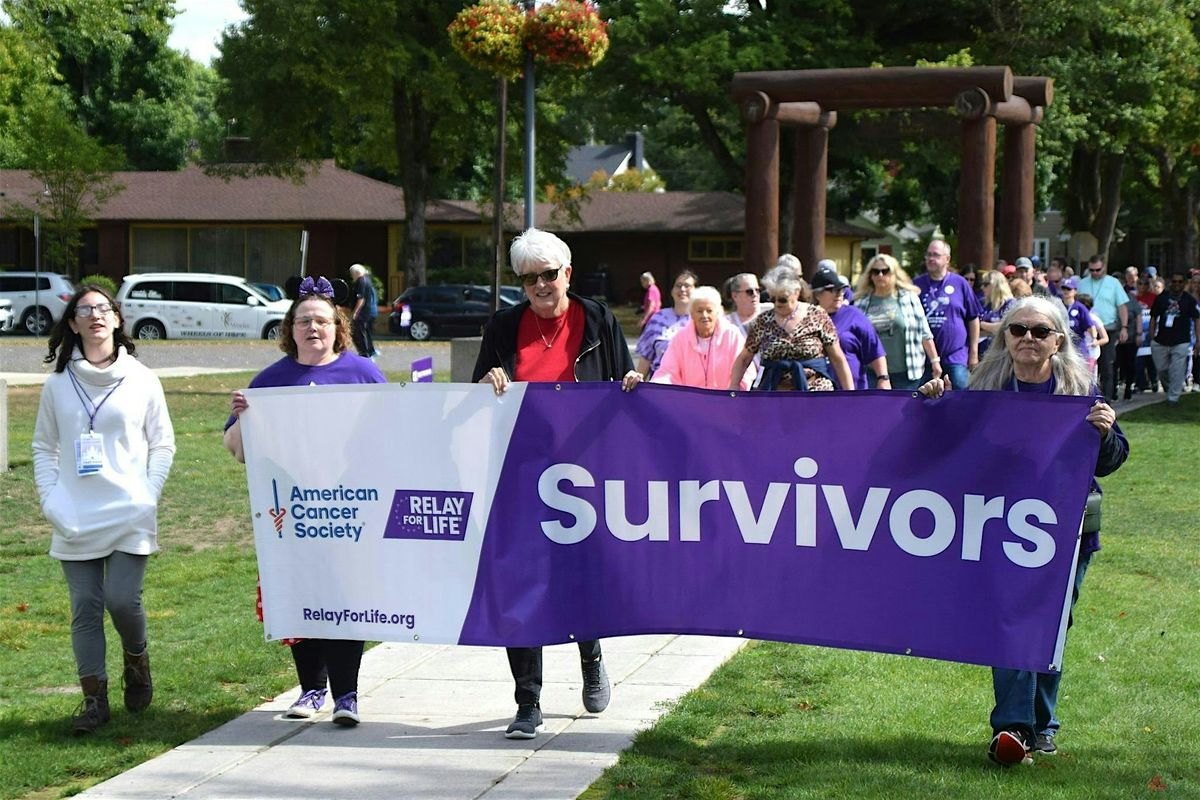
348	368
949	305
1079	317
652	344
859	342
988	314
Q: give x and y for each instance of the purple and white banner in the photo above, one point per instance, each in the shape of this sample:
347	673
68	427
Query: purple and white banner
868	520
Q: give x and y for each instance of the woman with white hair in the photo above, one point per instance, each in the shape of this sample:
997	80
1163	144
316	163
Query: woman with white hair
796	339
1033	353
553	335
702	354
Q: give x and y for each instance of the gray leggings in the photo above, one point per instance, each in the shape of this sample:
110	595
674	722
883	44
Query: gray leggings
114	581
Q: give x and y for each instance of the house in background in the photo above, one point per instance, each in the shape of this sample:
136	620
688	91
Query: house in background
189	221
612	159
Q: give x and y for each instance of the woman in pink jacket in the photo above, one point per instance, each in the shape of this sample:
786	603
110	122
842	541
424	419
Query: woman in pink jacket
702	353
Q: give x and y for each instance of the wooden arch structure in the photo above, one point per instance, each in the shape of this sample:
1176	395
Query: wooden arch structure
810	99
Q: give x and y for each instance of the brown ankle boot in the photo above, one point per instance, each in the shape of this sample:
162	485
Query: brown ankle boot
93	711
138	688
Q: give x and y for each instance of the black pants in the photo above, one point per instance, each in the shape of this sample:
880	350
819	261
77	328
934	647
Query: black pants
526	666
1108	365
364	340
332	661
1127	364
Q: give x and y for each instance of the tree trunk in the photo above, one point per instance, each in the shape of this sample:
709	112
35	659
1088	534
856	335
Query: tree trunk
1083	198
414	135
713	141
1112	168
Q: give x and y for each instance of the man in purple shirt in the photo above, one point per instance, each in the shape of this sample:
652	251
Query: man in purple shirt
953	313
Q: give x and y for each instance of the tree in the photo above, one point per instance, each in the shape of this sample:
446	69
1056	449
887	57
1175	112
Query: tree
631	180
25	76
128	88
77	173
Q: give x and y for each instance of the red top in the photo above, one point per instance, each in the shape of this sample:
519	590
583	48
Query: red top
547	348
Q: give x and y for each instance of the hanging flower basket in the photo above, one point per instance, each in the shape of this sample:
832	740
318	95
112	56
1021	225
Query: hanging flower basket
567	33
490	35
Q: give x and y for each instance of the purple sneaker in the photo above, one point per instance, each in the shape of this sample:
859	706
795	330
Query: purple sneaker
309	704
345	710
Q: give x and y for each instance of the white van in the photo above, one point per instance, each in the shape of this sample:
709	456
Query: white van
195	305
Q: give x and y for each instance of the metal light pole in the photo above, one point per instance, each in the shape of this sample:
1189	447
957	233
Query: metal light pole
37	271
530	196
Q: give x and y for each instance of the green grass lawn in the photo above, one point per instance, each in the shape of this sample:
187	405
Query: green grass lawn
778	721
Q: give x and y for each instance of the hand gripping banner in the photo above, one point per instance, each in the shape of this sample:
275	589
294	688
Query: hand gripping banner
879	521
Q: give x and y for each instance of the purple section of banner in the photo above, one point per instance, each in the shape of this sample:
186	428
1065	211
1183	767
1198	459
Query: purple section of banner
874	520
418	514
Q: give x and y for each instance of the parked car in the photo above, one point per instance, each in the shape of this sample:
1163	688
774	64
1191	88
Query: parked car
38	299
196	305
6	316
456	309
271	291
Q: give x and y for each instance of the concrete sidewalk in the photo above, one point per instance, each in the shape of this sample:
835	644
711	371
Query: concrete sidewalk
433	721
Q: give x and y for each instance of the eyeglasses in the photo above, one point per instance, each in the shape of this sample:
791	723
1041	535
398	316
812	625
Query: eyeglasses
1095	270
884	271
548	275
684	285
320	322
1018	331
969	278
86	311
751	292
783	298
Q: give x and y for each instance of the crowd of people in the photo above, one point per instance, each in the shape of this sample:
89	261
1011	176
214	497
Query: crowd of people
103	444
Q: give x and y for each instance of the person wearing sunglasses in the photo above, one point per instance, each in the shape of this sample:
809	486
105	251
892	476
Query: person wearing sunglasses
1033	354
997	298
746	294
656	335
797	341
702	354
1108	303
102	449
860	344
1174	319
559	336
891	302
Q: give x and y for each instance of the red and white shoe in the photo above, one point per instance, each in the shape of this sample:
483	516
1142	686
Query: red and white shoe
1009	748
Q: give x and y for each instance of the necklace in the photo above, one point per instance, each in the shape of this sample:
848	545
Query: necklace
106	360
553	338
783	323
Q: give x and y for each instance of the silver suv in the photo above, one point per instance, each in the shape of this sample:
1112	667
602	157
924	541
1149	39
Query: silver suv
38	299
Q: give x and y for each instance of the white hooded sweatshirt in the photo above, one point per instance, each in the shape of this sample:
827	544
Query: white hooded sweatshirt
117	507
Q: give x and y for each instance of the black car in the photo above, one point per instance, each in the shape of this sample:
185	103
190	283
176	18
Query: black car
453	310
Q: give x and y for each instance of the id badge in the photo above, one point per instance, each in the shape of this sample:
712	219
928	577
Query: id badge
1170	321
89	453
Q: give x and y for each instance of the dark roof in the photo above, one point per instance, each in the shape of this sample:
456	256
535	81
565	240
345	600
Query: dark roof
189	195
586	160
333	194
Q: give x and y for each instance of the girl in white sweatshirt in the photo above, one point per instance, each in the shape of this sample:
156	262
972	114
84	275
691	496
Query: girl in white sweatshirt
102	448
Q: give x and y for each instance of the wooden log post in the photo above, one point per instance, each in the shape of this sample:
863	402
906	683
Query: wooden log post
761	244
977	184
811	173
871	87
1017	192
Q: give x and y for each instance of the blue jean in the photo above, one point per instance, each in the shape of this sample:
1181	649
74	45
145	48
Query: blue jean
957	373
1025	701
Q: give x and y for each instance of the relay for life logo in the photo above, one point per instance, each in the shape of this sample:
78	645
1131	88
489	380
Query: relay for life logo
428	515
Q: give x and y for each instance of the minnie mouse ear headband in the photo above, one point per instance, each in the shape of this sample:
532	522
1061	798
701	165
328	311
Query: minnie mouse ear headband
319	287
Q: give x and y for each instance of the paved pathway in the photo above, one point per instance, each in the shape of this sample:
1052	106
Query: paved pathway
433	727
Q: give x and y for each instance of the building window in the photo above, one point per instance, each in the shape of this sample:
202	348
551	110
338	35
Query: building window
1158	254
10	239
1041	250
160	249
459	256
263	254
714	248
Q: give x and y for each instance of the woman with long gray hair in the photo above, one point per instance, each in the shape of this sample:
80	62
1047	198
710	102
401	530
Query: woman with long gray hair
1032	352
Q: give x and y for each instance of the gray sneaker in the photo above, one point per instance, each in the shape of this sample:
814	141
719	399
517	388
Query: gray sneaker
526	724
596	689
1044	745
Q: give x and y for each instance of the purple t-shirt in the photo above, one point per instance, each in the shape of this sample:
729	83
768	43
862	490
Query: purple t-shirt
348	368
859	341
949	304
657	335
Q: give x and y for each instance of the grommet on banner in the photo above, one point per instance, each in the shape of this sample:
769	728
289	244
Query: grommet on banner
908	651
1053	668
258	515
558	387
740	632
733	394
571	636
416	637
916	394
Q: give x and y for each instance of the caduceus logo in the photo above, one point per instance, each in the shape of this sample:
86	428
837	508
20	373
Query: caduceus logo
277	513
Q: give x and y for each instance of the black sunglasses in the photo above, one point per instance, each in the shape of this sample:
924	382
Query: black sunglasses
752	292
1018	331
784	298
548	275
884	271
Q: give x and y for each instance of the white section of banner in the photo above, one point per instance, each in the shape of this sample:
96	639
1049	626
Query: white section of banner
325	466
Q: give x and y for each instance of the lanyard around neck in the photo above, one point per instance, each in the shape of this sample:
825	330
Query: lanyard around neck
90	408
